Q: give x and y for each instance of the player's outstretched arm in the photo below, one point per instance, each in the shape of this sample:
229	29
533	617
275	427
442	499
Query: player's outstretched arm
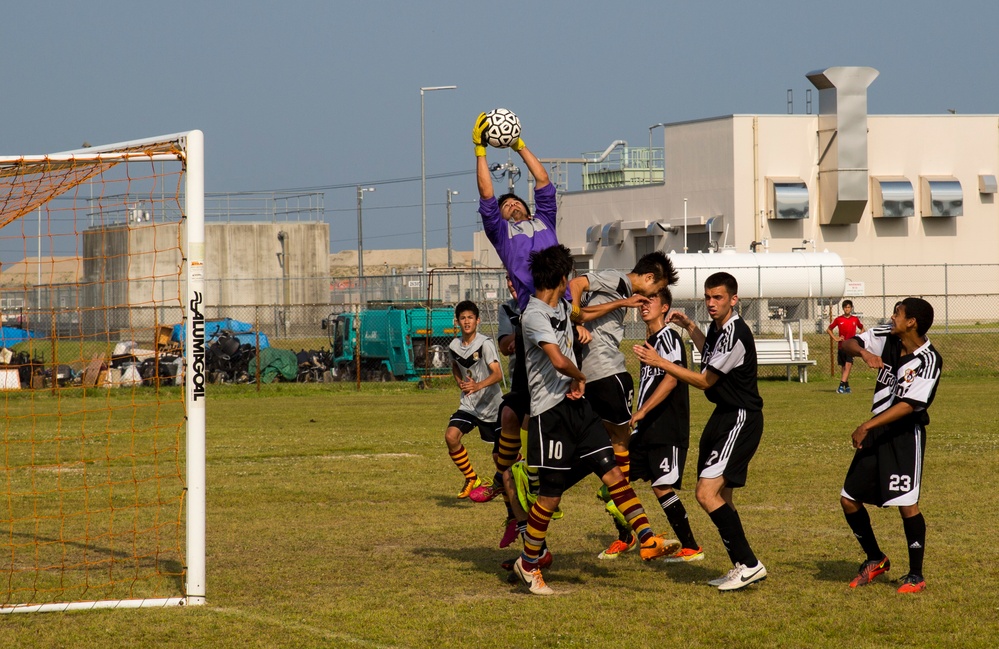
853	348
695	333
700	380
482	176
483	179
533	165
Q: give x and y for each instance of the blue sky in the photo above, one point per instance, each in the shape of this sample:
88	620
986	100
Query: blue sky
325	95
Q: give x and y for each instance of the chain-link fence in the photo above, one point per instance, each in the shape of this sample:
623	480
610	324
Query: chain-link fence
398	327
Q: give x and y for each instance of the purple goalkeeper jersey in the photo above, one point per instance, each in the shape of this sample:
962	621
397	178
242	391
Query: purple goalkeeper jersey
514	242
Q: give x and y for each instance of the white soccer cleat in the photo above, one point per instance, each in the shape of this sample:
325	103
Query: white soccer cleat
740	576
532	579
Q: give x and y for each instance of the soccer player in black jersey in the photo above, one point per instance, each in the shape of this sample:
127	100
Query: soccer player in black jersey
887	466
661	424
732	434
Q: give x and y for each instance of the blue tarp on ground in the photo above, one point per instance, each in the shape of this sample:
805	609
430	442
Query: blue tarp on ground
10	336
212	327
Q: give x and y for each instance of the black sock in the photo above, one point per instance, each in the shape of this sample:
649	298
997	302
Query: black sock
729	527
860	523
915	538
676	514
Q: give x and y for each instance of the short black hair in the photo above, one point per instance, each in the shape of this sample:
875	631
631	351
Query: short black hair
847	303
659	265
665	296
550	266
466	305
512	197
722	279
921	311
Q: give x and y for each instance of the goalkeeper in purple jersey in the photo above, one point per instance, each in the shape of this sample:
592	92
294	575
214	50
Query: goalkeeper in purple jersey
515	233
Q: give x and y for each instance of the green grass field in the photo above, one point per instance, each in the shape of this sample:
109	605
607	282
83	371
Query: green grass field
332	523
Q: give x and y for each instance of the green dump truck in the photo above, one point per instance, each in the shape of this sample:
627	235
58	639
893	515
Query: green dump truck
391	344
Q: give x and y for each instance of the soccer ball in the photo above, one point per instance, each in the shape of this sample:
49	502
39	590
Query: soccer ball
504	128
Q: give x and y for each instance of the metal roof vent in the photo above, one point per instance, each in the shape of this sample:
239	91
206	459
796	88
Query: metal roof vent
843	182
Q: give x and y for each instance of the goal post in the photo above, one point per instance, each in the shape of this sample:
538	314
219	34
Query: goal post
102	297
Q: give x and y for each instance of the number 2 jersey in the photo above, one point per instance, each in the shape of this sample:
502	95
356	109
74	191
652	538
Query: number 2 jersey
909	378
668	423
730	353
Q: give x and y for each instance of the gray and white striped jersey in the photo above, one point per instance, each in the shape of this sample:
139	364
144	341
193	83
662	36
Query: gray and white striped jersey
473	361
603	356
542	323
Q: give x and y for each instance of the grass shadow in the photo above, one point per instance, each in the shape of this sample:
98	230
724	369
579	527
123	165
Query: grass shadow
450	502
839	571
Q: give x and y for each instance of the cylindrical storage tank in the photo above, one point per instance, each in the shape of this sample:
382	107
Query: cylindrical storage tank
763	275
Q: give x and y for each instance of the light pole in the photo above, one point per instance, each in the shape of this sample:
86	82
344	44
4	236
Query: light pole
450	193
360	240
663	124
423	168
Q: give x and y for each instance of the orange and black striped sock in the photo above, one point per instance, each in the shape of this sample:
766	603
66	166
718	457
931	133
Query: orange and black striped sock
629	505
537	528
460	459
509	449
623	461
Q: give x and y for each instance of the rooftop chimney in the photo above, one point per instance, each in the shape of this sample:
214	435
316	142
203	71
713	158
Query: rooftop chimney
843	178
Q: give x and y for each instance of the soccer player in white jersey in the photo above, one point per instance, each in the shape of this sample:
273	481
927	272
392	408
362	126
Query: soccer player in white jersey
476	368
600	300
661	426
733	432
887	466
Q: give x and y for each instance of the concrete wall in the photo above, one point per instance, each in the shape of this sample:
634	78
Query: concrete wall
139	265
237	253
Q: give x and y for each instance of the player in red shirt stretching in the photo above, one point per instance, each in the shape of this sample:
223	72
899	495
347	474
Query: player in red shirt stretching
848	325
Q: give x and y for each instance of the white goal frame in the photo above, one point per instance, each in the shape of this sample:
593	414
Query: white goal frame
187	148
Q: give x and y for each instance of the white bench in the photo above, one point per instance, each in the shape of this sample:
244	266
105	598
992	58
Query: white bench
788	351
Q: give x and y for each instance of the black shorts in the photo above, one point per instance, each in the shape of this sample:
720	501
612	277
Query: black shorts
466	421
729	441
842	358
520	404
565	436
660	465
611	397
889	472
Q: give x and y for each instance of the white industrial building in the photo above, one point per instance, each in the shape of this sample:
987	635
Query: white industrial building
878	191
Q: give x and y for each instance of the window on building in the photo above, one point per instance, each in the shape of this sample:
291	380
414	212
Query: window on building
582	266
644	244
941	197
893	198
788	199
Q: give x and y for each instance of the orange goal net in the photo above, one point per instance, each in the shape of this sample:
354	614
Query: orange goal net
102	489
